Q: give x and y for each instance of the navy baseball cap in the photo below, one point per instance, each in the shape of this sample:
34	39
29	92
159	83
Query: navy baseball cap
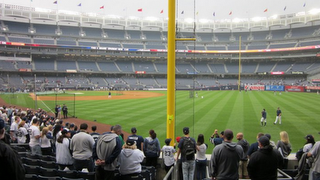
133	130
186	130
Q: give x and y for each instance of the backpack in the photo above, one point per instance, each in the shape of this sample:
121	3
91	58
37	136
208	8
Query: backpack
188	148
152	150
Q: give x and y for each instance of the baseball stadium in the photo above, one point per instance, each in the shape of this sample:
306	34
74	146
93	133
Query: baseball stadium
211	68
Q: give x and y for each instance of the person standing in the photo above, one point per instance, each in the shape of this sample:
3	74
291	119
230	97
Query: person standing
201	159
264	163
65	111
254	146
215	138
22	133
314	172
264	117
81	146
151	149
168	155
11	166
94	133
45	143
63	155
284	147
243	172
278	117
138	139
14	128
56	111
34	133
130	160
106	152
225	159
187	149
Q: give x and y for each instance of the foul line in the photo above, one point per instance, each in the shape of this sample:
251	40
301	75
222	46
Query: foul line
45	105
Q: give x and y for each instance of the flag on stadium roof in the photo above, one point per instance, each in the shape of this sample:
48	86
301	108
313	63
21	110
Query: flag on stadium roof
304	5
266	10
285	8
55	2
182	12
140	10
102	7
214	13
161	11
230	12
79	4
197	13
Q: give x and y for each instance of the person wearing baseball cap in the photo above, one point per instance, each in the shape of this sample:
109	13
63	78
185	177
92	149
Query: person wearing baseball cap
264	163
168	155
138	139
130	160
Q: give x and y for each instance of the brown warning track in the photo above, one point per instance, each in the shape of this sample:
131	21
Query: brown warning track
100	126
125	95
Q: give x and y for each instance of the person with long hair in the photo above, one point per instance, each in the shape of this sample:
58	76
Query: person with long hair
130	160
284	147
201	160
45	143
63	156
151	149
22	133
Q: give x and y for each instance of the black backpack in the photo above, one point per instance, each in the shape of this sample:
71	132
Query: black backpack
188	148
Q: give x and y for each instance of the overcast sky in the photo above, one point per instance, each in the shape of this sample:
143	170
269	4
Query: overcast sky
204	9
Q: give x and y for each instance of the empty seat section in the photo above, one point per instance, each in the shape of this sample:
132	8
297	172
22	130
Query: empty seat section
125	66
43	29
108	66
144	66
17	27
87	66
92	32
63	65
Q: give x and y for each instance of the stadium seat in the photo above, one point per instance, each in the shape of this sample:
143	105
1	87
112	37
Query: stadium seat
19	148
72	178
32	162
33	156
67	174
86	175
47	171
146	174
31	169
48	158
30	177
49	178
48	164
152	171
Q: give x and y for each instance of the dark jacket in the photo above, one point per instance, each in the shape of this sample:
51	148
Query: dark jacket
10	163
263	164
245	146
224	161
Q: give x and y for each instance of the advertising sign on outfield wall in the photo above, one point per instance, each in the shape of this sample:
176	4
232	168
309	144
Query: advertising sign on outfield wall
294	88
255	87
274	88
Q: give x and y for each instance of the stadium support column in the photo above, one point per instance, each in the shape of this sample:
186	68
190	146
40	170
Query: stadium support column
171	61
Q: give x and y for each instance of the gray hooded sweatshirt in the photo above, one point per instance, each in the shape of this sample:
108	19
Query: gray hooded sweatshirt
224	161
129	160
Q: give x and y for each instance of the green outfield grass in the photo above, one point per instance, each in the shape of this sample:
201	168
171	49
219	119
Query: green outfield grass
240	112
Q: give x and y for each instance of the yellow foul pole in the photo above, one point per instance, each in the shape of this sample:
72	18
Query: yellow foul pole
171	65
239	63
